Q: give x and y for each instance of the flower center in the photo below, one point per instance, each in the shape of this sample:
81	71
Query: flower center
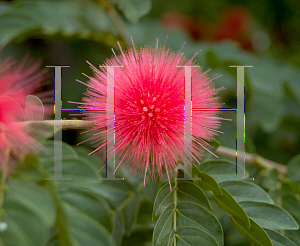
149	107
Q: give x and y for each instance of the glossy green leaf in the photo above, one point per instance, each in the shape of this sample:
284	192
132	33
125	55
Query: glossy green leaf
88	202
207	182
35	198
293	169
192	214
255	233
293	235
246	191
23	228
85	230
278	239
29	212
186	191
231	206
163	226
220	170
187	235
122	197
269	216
187	214
292	205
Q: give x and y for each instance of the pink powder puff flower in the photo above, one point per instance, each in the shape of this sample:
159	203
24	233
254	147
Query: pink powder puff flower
149	109
17	81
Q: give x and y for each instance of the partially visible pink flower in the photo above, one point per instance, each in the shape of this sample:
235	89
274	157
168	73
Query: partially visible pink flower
149	109
17	81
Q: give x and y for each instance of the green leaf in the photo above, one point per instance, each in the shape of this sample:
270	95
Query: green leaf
131	211
14	26
294	235
278	239
67	150
28	18
293	169
292	205
134	9
186	191
188	214
84	152
29	211
35	198
122	197
118	227
163	226
80	170
220	170
192	214
85	230
207	182
92	158
92	205
231	206
269	216
115	191
187	235
23	228
246	191
32	170
255	233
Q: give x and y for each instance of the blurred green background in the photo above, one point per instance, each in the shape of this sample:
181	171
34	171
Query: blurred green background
264	33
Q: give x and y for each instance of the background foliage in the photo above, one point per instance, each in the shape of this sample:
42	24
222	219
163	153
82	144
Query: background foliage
216	210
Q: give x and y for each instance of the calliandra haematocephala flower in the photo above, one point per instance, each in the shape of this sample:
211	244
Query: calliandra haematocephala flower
149	94
17	81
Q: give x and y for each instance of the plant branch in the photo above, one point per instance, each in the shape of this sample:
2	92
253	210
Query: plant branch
251	159
66	124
